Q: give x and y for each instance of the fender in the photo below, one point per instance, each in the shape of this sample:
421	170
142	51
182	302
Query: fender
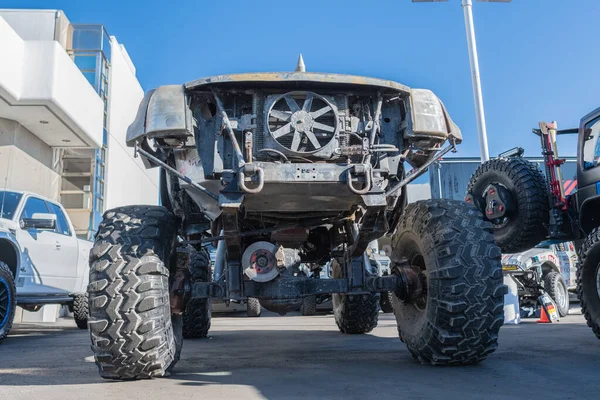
163	112
13	260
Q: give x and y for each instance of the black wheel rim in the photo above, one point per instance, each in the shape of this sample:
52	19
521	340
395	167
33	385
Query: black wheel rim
498	202
5	302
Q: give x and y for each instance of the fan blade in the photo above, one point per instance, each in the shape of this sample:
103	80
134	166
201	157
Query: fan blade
281	115
318	113
307	102
296	141
292	103
284	130
313	139
323	127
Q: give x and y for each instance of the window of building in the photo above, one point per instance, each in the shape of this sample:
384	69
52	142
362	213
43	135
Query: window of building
591	145
33	205
87	37
85	61
91	38
91	43
77	178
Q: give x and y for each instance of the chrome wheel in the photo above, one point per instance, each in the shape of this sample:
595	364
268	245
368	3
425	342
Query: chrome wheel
562	295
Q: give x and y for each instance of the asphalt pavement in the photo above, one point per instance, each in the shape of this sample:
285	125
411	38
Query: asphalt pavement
297	357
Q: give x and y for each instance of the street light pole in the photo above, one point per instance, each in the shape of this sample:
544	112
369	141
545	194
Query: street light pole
467	6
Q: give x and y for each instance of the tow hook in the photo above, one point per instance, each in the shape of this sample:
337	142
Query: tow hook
359	170
179	282
251	169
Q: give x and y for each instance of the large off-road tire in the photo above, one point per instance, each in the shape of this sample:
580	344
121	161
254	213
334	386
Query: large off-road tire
457	318
556	287
81	310
130	318
197	314
8	303
253	307
354	314
526	209
588	280
386	302
309	305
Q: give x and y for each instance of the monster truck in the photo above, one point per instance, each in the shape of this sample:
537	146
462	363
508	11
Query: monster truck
41	259
547	266
526	207
284	169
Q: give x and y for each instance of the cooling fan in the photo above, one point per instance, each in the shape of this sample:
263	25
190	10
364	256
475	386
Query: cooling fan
302	122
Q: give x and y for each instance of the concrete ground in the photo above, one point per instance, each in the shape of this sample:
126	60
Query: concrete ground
296	357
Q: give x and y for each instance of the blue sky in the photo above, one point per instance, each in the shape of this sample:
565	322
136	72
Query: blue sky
538	58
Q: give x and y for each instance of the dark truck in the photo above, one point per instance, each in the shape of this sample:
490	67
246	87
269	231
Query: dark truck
280	170
527	208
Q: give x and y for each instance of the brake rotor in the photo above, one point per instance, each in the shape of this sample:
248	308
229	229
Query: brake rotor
259	261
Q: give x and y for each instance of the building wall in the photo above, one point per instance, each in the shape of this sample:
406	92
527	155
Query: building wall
418	191
26	161
32	24
40	82
138	185
39	24
11	72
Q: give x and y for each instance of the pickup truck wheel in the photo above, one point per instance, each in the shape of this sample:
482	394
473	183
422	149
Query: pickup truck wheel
588	280
253	307
457	317
8	293
513	195
130	318
354	314
309	305
81	310
197	314
386	302
556	287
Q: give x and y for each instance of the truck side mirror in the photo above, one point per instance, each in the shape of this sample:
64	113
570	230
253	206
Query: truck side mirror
40	221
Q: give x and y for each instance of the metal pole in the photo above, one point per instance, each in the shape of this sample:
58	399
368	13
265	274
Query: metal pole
467	6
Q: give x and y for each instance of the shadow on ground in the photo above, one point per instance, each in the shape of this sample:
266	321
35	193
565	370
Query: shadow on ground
300	357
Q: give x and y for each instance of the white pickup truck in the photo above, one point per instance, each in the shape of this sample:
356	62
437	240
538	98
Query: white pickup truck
41	259
548	266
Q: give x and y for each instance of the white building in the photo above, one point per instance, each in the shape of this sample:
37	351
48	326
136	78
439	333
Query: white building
68	92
